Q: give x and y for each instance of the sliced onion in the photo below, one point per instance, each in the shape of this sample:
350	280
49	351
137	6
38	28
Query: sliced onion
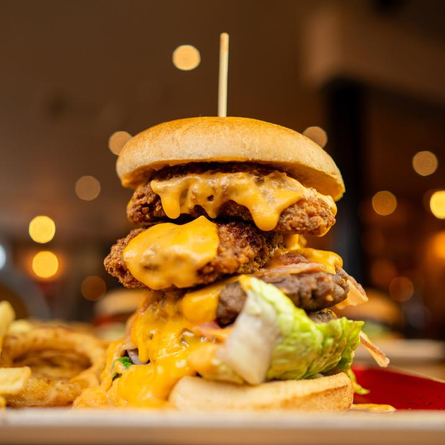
356	295
292	269
134	357
377	354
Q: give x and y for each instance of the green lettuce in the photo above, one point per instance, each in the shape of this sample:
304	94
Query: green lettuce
358	389
274	340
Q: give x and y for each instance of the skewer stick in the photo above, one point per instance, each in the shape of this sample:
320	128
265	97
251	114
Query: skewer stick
223	74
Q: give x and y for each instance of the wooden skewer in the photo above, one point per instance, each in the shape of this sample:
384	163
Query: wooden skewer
223	74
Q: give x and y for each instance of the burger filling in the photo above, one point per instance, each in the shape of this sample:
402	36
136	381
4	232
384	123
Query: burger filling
234	294
311	291
173	336
169	256
270	198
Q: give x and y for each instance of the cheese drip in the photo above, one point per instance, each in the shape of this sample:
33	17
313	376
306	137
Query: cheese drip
297	244
328	259
165	331
168	255
264	196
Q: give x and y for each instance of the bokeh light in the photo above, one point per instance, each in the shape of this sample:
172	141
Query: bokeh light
87	188
42	229
401	289
438	245
93	288
384	203
186	57
118	140
317	134
45	264
2	257
425	163
437	204
382	272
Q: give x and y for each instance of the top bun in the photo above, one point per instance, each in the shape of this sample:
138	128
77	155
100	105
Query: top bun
228	139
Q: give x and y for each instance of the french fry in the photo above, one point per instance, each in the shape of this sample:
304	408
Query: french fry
7	316
2	402
13	380
19	326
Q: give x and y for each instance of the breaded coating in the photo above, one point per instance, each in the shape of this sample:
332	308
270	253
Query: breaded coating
310	216
243	249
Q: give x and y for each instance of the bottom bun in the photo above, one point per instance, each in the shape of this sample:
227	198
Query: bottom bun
328	393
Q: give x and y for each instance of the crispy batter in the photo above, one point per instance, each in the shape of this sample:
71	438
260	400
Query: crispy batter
242	249
47	351
115	265
309	291
310	216
54	364
44	392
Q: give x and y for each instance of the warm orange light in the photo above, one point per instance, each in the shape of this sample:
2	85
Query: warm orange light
45	264
317	134
118	140
425	163
87	188
42	229
384	203
437	204
438	245
382	272
93	288
186	57
401	289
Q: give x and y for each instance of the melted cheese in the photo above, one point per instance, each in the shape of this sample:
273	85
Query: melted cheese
294	242
200	306
372	407
102	396
204	359
168	254
297	244
264	196
328	259
165	331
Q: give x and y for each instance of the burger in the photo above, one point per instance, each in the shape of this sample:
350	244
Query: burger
237	312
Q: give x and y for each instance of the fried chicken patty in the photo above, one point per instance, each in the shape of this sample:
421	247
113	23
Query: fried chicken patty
312	291
310	216
243	249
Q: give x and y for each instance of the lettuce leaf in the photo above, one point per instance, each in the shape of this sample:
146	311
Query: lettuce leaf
299	348
358	389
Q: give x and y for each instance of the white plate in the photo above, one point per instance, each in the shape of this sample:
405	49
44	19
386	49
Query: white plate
57	426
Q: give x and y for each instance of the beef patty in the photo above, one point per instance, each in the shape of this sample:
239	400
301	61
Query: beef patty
243	249
311	291
323	316
310	215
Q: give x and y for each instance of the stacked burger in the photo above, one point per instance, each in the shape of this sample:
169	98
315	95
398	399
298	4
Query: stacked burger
238	309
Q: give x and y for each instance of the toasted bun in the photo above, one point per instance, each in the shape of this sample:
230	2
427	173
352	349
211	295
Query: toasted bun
228	139
331	393
120	301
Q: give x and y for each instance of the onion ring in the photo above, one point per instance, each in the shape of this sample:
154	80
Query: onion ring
44	392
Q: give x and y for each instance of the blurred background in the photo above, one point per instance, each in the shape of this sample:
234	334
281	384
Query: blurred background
370	72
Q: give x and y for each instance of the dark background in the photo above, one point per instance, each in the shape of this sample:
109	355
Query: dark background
369	72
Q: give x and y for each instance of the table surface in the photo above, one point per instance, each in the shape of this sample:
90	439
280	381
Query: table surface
66	427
